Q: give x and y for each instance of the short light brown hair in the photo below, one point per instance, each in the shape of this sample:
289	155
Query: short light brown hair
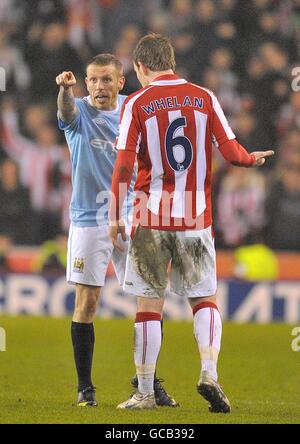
104	60
156	52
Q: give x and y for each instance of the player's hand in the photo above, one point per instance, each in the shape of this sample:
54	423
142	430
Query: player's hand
260	157
115	228
66	79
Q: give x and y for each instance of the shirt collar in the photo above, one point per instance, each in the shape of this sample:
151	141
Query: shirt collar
166	77
112	111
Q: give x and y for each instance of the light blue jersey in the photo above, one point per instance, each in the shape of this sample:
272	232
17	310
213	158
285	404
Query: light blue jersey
91	139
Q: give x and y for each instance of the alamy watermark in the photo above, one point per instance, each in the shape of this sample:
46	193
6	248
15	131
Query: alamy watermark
296	80
160	208
2	340
296	341
2	79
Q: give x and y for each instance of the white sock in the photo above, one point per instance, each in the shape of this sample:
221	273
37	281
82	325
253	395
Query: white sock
147	342
208	332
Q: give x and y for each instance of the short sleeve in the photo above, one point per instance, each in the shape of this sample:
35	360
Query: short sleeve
221	131
130	133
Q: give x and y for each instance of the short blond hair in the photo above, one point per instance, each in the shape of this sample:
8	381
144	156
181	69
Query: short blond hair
104	60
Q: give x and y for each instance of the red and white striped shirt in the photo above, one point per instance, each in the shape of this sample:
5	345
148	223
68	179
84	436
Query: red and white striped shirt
170	124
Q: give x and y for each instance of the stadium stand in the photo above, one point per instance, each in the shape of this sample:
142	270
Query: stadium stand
244	51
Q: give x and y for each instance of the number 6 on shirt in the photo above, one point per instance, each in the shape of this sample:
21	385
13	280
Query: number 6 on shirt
171	142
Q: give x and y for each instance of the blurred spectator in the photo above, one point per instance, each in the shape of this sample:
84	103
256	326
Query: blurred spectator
240	207
221	59
289	149
275	58
131	34
16	71
9	12
265	72
205	16
157	22
245	19
119	13
227	95
43	11
227	35
283	210
83	24
16	215
125	45
226	9
289	20
250	133
179	17
289	114
184	45
269	31
35	116
36	159
48	55
123	51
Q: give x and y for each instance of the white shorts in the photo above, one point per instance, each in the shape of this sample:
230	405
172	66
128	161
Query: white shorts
89	253
192	257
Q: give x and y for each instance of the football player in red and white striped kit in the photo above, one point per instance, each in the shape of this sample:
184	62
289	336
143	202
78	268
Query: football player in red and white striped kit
169	125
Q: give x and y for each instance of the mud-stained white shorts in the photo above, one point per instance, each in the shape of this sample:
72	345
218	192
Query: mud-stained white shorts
89	253
192	257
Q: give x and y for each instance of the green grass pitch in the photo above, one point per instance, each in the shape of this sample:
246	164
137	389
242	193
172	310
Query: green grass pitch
257	369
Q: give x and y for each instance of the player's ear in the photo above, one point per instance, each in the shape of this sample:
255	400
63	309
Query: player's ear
121	82
144	69
138	67
86	80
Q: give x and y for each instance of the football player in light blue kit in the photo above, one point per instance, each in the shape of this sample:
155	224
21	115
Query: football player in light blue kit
91	125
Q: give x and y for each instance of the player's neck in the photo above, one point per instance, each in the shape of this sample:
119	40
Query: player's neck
154	74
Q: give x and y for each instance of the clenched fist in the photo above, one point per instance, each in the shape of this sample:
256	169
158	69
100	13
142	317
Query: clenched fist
66	79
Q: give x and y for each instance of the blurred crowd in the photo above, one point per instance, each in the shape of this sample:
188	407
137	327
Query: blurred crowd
244	51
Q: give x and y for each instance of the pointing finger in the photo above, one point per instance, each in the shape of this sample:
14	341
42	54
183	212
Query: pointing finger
268	153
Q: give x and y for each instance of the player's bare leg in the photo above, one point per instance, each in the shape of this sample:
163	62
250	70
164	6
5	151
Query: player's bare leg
82	331
86	302
208	332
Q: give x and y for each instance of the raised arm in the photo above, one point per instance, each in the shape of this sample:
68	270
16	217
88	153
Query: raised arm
65	101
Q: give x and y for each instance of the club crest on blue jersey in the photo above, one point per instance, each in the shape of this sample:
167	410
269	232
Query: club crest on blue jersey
78	265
